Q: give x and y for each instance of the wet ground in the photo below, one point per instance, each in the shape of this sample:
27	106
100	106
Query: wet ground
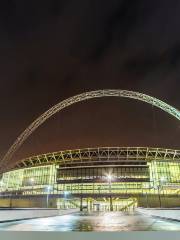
95	221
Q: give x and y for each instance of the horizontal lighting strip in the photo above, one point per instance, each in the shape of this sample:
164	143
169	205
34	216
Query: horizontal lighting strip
103	166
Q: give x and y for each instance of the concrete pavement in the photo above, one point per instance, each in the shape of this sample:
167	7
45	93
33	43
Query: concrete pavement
7	215
94	221
164	213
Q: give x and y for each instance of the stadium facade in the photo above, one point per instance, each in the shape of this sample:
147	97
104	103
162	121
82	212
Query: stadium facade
105	178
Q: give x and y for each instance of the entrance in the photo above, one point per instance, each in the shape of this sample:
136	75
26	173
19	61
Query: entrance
99	204
114	204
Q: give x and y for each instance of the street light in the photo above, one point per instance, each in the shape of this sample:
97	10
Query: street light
32	183
146	198
109	177
66	193
161	181
49	188
158	187
32	180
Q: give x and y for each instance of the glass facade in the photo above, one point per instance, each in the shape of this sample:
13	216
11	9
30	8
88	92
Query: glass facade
154	177
29	180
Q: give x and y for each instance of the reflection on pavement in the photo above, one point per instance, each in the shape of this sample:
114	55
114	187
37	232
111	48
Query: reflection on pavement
93	221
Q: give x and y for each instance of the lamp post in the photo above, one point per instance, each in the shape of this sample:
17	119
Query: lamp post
49	188
158	187
159	197
65	195
32	183
161	182
31	180
109	177
146	200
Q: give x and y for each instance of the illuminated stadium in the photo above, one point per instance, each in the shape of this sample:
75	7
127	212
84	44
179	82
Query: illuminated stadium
100	178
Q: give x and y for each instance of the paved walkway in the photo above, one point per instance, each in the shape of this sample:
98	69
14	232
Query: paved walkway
29	213
109	221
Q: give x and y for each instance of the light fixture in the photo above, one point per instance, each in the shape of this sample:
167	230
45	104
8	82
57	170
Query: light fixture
66	193
109	177
163	179
32	179
49	188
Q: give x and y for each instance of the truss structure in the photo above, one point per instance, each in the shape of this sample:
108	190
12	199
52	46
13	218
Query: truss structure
79	98
106	155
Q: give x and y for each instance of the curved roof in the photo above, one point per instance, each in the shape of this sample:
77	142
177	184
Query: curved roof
89	155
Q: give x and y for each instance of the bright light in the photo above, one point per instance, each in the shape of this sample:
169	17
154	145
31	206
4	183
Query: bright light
32	180
109	177
66	193
163	179
49	188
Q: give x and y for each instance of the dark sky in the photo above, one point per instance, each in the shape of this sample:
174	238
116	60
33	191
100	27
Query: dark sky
51	50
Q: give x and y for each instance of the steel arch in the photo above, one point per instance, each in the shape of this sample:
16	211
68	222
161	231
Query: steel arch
79	98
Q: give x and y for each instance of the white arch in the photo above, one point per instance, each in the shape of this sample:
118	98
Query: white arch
82	97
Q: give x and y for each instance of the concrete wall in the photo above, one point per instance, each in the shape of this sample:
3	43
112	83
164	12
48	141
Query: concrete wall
39	202
20	214
153	201
163	213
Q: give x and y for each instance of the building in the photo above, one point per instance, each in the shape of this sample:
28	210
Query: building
104	178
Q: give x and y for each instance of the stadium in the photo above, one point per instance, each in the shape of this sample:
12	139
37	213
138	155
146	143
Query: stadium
97	179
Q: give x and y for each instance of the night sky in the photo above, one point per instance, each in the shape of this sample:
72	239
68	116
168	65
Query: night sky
52	50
